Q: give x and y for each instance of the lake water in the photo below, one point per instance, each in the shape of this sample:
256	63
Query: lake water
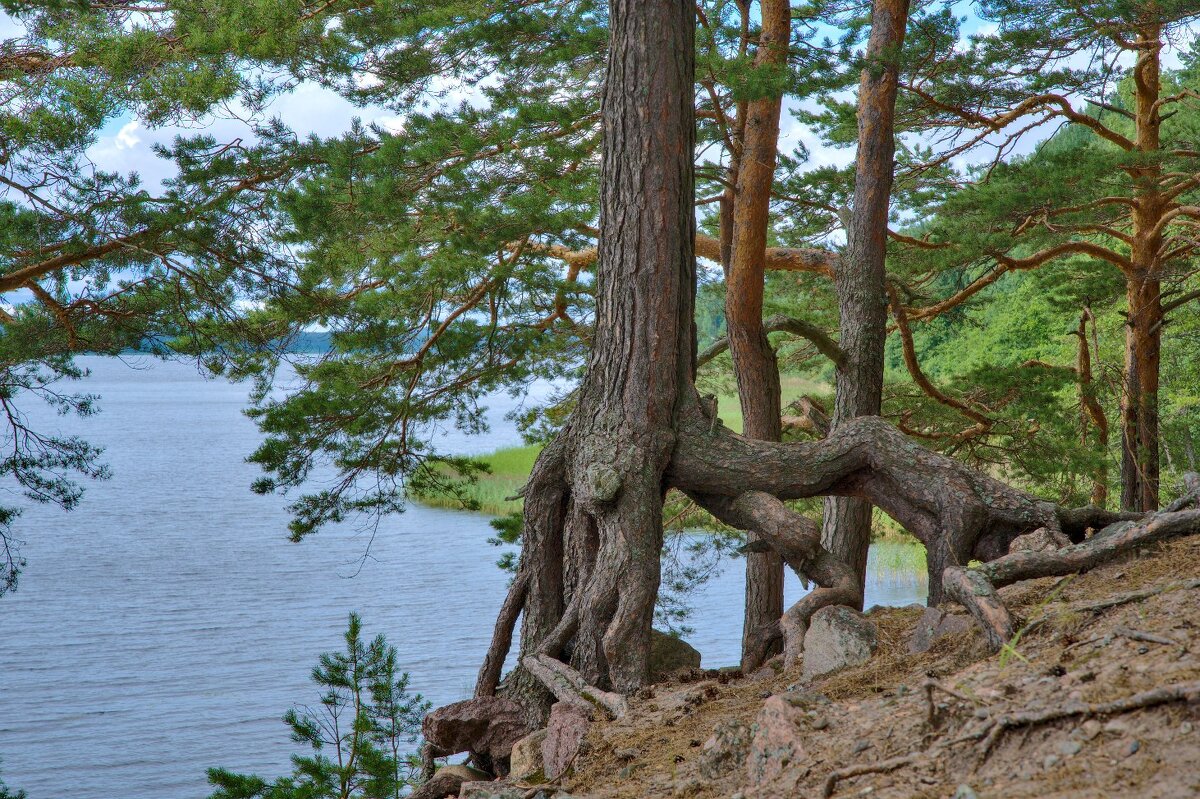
166	625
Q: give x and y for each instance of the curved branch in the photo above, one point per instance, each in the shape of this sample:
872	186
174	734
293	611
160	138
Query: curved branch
914	368
784	324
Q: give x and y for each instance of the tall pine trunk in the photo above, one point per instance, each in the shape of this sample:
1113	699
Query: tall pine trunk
860	277
593	535
1143	336
754	364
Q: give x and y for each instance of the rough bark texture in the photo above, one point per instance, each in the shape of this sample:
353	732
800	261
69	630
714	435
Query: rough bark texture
976	588
592	535
754	364
958	513
862	298
1143	337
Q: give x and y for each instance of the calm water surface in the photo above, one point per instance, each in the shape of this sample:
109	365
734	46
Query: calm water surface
166	625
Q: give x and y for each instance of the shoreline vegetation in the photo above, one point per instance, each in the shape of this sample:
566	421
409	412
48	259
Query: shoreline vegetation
898	556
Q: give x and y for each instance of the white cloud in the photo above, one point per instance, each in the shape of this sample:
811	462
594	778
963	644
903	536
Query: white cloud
127	137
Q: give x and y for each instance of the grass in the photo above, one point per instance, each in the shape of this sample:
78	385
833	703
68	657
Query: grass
510	469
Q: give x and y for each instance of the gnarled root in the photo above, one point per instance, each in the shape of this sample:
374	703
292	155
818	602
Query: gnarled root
975	588
568	685
798	540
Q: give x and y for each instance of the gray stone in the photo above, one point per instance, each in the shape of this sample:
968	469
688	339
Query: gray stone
526	758
935	624
726	750
669	654
1040	540
965	791
1069	748
837	637
489	790
568	725
487	725
448	782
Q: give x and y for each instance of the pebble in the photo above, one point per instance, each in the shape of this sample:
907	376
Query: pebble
965	792
1185	728
982	712
1069	748
1132	748
1049	762
1091	728
820	723
1117	727
861	745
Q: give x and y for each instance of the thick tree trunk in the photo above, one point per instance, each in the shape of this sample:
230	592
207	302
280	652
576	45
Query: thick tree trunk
860	279
1139	403
592	538
754	364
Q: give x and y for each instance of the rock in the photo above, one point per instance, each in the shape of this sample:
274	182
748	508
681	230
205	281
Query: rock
934	624
1040	540
965	791
489	790
568	724
669	654
837	637
448	781
526	758
1131	748
1049	762
1185	728
726	750
487	725
775	741
1090	729
1117	727
1069	748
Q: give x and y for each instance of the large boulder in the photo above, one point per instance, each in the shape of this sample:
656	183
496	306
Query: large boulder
669	654
486	725
837	637
448	781
526	758
568	725
934	624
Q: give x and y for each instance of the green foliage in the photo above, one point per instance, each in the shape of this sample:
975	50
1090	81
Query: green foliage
361	733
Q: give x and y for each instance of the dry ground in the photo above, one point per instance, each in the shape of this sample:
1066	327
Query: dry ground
878	711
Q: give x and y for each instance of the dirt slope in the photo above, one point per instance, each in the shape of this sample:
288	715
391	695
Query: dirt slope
862	717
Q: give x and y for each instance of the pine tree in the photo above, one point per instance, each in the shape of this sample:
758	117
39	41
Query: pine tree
362	733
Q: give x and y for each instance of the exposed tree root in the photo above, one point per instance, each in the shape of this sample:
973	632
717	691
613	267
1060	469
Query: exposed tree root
568	685
1132	596
992	731
1183	692
798	540
931	685
975	588
881	767
506	622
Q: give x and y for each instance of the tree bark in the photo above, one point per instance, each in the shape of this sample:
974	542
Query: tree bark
860	280
754	364
1139	402
592	536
